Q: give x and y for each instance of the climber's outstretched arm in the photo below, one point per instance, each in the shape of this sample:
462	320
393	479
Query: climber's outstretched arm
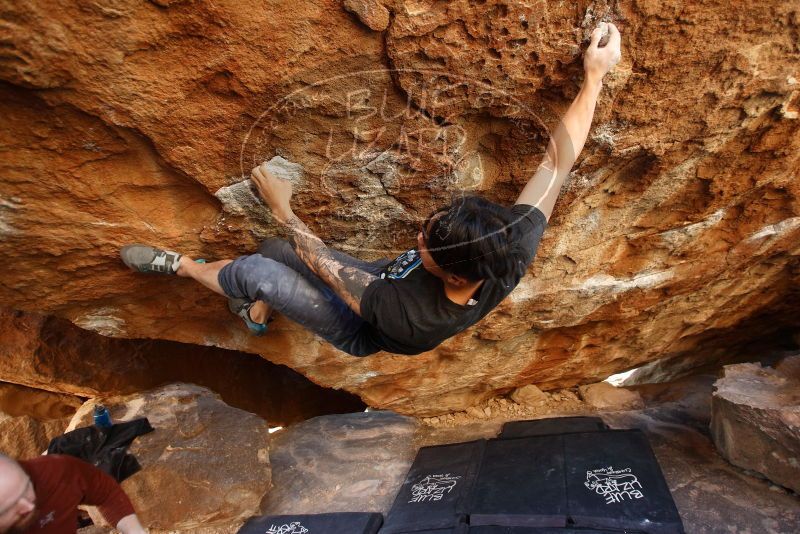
346	281
570	135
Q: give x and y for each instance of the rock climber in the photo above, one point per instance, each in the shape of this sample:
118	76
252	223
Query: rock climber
41	496
468	258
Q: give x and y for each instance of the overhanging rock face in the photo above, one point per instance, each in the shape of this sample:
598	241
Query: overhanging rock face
133	123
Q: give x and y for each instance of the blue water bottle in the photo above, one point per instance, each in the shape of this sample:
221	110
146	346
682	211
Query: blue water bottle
102	419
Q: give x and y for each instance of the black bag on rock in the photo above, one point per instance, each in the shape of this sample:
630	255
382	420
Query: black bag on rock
332	523
104	448
436	489
552	425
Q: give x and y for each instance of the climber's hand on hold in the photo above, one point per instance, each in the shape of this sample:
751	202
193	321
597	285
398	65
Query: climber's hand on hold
598	60
276	192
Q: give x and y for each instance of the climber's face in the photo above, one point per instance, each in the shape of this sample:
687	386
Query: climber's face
17	500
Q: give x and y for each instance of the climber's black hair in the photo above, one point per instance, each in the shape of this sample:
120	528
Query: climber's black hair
474	238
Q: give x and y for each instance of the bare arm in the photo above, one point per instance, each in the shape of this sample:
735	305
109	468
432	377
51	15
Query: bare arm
346	281
570	135
101	490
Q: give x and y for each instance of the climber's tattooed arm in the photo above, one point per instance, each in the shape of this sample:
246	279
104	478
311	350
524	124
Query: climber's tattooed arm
348	282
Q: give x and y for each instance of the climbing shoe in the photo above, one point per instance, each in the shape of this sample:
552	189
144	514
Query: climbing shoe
241	308
147	259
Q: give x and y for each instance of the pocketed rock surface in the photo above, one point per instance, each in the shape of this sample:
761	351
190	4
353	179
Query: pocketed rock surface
678	229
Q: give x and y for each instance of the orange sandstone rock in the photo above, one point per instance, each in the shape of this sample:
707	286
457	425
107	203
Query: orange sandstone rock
679	225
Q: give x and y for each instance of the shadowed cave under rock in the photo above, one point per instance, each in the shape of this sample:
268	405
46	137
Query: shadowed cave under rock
53	354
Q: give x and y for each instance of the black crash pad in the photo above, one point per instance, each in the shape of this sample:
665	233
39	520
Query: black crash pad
436	490
614	481
597	480
521	483
538	530
460	529
551	425
332	523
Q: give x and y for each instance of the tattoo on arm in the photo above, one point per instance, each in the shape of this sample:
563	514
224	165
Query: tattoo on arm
348	282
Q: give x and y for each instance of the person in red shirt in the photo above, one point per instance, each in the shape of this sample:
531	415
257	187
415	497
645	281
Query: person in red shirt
41	496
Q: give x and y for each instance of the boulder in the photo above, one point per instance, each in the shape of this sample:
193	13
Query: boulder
341	463
30	418
712	496
41	405
604	396
755	421
24	437
529	395
678	228
206	465
790	367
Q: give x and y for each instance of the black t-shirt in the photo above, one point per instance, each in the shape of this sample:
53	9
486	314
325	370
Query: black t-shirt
407	311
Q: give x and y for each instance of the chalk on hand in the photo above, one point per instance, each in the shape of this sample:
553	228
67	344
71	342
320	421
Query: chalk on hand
285	169
606	35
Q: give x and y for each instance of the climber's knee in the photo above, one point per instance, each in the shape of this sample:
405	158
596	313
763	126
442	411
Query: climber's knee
275	248
245	277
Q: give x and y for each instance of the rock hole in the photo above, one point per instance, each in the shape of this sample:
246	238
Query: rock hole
500	10
495	54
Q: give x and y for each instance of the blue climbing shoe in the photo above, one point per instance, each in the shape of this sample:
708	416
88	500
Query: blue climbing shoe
241	308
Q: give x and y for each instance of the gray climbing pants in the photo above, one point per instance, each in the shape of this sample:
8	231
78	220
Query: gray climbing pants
277	275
